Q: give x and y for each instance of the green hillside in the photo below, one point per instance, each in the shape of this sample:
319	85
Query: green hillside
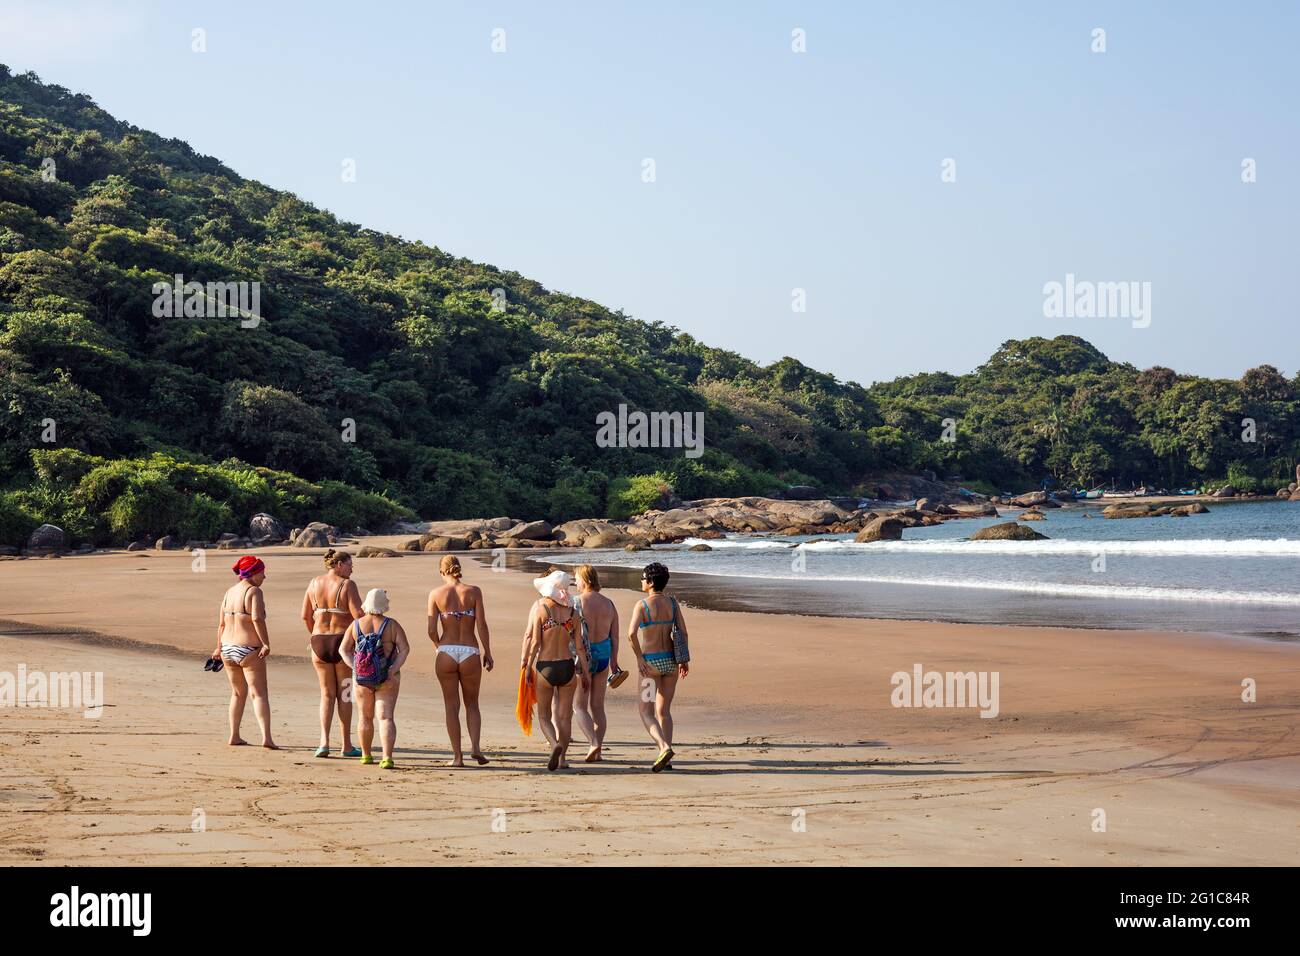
463	401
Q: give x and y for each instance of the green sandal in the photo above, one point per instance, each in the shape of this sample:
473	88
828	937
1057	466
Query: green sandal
365	759
386	764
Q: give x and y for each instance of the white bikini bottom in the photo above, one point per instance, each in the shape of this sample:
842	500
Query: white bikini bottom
458	652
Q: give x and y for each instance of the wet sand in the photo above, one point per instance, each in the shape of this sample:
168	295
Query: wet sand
789	748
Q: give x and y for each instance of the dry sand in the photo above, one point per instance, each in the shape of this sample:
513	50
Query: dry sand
789	748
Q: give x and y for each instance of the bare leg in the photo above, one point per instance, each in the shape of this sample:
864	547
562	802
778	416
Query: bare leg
343	676
449	679
564	718
547	725
386	705
582	717
596	707
238	698
663	705
255	674
329	692
366	722
646	708
471	674
545	716
598	718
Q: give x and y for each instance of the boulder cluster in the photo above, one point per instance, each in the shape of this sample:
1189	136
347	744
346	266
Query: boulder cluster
1139	510
798	511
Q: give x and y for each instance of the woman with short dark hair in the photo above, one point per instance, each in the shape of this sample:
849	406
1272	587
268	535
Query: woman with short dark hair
657	633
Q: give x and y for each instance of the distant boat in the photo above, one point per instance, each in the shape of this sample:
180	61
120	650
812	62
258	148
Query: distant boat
1189	491
1142	492
1095	493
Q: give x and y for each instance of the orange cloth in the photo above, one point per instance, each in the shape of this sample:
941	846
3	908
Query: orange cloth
525	702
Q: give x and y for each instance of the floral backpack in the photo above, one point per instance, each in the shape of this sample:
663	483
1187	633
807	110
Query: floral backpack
370	666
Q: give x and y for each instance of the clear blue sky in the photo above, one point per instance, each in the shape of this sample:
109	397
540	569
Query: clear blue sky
775	170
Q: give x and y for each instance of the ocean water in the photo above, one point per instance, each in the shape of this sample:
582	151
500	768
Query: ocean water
1235	570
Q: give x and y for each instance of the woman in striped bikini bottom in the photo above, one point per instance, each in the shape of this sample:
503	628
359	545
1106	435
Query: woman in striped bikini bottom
244	644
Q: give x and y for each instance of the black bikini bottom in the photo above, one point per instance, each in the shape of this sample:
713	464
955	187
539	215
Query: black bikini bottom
557	673
326	647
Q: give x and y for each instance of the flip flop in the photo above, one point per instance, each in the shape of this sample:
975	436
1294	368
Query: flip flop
353	752
322	751
386	764
555	757
662	761
365	759
616	679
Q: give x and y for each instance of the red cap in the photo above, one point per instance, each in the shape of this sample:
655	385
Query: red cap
248	565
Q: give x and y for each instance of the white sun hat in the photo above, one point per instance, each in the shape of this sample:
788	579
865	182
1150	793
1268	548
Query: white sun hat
554	586
376	601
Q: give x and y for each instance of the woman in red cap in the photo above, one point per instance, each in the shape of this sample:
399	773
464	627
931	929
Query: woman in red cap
244	645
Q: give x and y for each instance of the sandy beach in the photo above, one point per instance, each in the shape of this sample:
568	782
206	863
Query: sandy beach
790	751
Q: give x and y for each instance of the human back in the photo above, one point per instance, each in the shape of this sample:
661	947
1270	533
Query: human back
558	624
598	616
241	605
335	600
457	605
658	614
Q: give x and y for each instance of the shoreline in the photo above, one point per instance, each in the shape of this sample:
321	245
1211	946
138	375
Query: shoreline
756	594
780	714
695	595
697	591
936	603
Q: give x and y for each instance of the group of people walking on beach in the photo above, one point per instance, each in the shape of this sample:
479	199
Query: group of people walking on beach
569	658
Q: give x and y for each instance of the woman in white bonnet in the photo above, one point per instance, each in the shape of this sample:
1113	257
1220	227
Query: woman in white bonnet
551	644
378	677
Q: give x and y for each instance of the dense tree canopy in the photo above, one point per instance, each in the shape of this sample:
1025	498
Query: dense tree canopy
469	390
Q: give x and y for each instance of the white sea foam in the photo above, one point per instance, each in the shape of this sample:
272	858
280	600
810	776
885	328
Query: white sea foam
746	544
1211	547
1106	591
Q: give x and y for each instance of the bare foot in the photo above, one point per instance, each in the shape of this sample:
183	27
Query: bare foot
557	755
270	745
455	762
480	759
238	742
593	755
564	765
